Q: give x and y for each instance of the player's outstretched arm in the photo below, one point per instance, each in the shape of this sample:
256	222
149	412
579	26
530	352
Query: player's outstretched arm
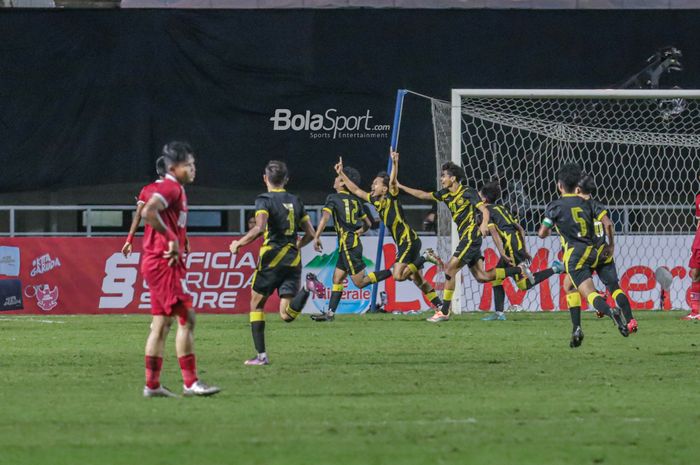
254	232
318	247
394	176
417	193
544	231
309	233
352	187
151	216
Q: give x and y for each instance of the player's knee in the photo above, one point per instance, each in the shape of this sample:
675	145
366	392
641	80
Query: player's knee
451	269
360	281
159	327
189	319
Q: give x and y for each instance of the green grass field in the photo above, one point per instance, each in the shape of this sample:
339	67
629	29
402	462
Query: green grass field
361	390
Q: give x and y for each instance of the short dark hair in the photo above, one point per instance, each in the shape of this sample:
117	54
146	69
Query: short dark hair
385	177
491	191
587	184
453	169
161	169
276	172
569	176
353	175
176	152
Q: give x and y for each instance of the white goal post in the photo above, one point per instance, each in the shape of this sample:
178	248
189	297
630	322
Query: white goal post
643	147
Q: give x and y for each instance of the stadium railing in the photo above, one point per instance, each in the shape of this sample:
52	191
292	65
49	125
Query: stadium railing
114	220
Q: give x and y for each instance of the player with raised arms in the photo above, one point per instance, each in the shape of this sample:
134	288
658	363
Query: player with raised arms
350	222
509	238
163	268
573	217
278	216
463	204
384	196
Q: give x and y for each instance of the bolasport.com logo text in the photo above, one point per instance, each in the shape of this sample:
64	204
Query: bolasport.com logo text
330	124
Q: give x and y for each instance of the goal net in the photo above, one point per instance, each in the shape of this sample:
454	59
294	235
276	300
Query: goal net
642	147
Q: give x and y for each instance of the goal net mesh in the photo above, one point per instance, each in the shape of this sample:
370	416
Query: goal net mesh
643	153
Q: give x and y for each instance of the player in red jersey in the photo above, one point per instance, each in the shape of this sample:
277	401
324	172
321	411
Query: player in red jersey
163	267
141	200
694	266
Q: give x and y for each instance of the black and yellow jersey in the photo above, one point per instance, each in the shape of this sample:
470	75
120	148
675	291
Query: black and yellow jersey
573	218
505	223
348	216
463	205
391	214
285	214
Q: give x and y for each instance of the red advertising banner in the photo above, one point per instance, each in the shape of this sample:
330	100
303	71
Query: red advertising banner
91	276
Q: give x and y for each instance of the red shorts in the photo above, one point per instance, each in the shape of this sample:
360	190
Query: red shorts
694	259
169	296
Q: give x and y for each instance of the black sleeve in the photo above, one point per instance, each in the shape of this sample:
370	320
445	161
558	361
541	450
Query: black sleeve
262	204
599	210
440	195
328	206
472	196
552	212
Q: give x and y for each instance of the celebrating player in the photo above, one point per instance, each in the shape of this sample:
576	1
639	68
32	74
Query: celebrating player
463	204
163	267
573	217
384	197
694	266
141	200
509	238
350	221
278	215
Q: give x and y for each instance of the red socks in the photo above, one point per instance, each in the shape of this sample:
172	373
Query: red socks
695	297
188	366
153	366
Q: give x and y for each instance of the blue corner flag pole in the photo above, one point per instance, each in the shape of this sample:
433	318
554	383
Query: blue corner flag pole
395	129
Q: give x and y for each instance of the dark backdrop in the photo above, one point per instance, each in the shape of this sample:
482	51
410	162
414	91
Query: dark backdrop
89	97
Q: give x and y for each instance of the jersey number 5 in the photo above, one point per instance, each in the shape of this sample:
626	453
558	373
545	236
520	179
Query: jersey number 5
290	217
576	213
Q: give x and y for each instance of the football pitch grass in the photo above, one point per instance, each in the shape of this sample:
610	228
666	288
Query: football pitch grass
378	389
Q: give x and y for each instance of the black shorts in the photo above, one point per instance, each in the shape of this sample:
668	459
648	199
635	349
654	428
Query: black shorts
351	260
580	262
468	251
607	272
286	280
408	251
